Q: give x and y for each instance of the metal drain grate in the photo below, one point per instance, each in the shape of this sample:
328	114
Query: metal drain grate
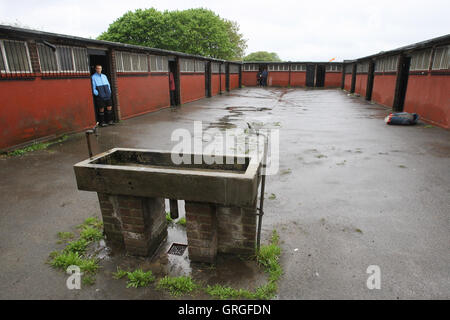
177	249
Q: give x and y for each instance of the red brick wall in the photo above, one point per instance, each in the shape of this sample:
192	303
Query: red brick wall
142	94
234	81
429	96
332	79
384	89
298	79
278	79
215	84
32	109
348	82
192	86
361	84
249	78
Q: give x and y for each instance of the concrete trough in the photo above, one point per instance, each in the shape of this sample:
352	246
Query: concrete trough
220	199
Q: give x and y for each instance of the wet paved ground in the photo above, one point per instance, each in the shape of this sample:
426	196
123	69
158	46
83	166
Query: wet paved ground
351	192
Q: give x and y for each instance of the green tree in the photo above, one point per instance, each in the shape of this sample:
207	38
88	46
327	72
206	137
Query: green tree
262	56
195	31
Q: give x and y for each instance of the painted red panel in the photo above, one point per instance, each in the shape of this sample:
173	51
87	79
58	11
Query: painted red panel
429	96
348	82
40	108
384	89
234	81
361	84
192	87
298	79
142	94
215	84
249	78
223	83
278	79
332	79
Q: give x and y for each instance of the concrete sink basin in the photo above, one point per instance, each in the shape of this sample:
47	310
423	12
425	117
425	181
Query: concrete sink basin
151	173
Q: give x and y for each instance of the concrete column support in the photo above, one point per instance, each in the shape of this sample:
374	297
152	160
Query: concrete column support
137	223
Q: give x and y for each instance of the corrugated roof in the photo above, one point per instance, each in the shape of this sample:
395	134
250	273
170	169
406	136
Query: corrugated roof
46	35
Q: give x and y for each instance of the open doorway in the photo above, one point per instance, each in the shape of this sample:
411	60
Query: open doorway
310	75
100	57
320	75
174	94
402	84
208	79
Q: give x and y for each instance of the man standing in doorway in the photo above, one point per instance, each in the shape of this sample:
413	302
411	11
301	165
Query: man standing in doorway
102	95
264	75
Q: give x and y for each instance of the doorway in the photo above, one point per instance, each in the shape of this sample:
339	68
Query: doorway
208	79
100	57
370	77
174	96
310	74
320	75
402	84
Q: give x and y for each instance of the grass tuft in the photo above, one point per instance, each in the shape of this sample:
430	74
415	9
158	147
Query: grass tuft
168	217
78	246
91	234
63	260
65	235
139	278
182	222
177	286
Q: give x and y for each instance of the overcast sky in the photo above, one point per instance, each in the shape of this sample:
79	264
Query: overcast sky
297	30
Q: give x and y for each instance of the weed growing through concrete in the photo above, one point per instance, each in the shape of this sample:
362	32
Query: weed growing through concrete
35	146
182	221
65	259
65	235
78	246
177	286
120	273
268	257
91	234
139	278
74	252
88	280
168	217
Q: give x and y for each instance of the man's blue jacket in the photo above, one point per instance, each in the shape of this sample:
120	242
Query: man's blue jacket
100	86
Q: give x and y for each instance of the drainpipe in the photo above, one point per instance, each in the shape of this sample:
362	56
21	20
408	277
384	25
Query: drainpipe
260	210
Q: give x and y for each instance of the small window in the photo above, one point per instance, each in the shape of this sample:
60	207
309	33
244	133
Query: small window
420	60
214	67
349	68
199	66
222	68
15	56
187	65
362	67
441	59
143	63
47	58
234	68
63	59
81	59
131	62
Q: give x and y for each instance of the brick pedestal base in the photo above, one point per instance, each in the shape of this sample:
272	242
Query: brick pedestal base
214	228
139	224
